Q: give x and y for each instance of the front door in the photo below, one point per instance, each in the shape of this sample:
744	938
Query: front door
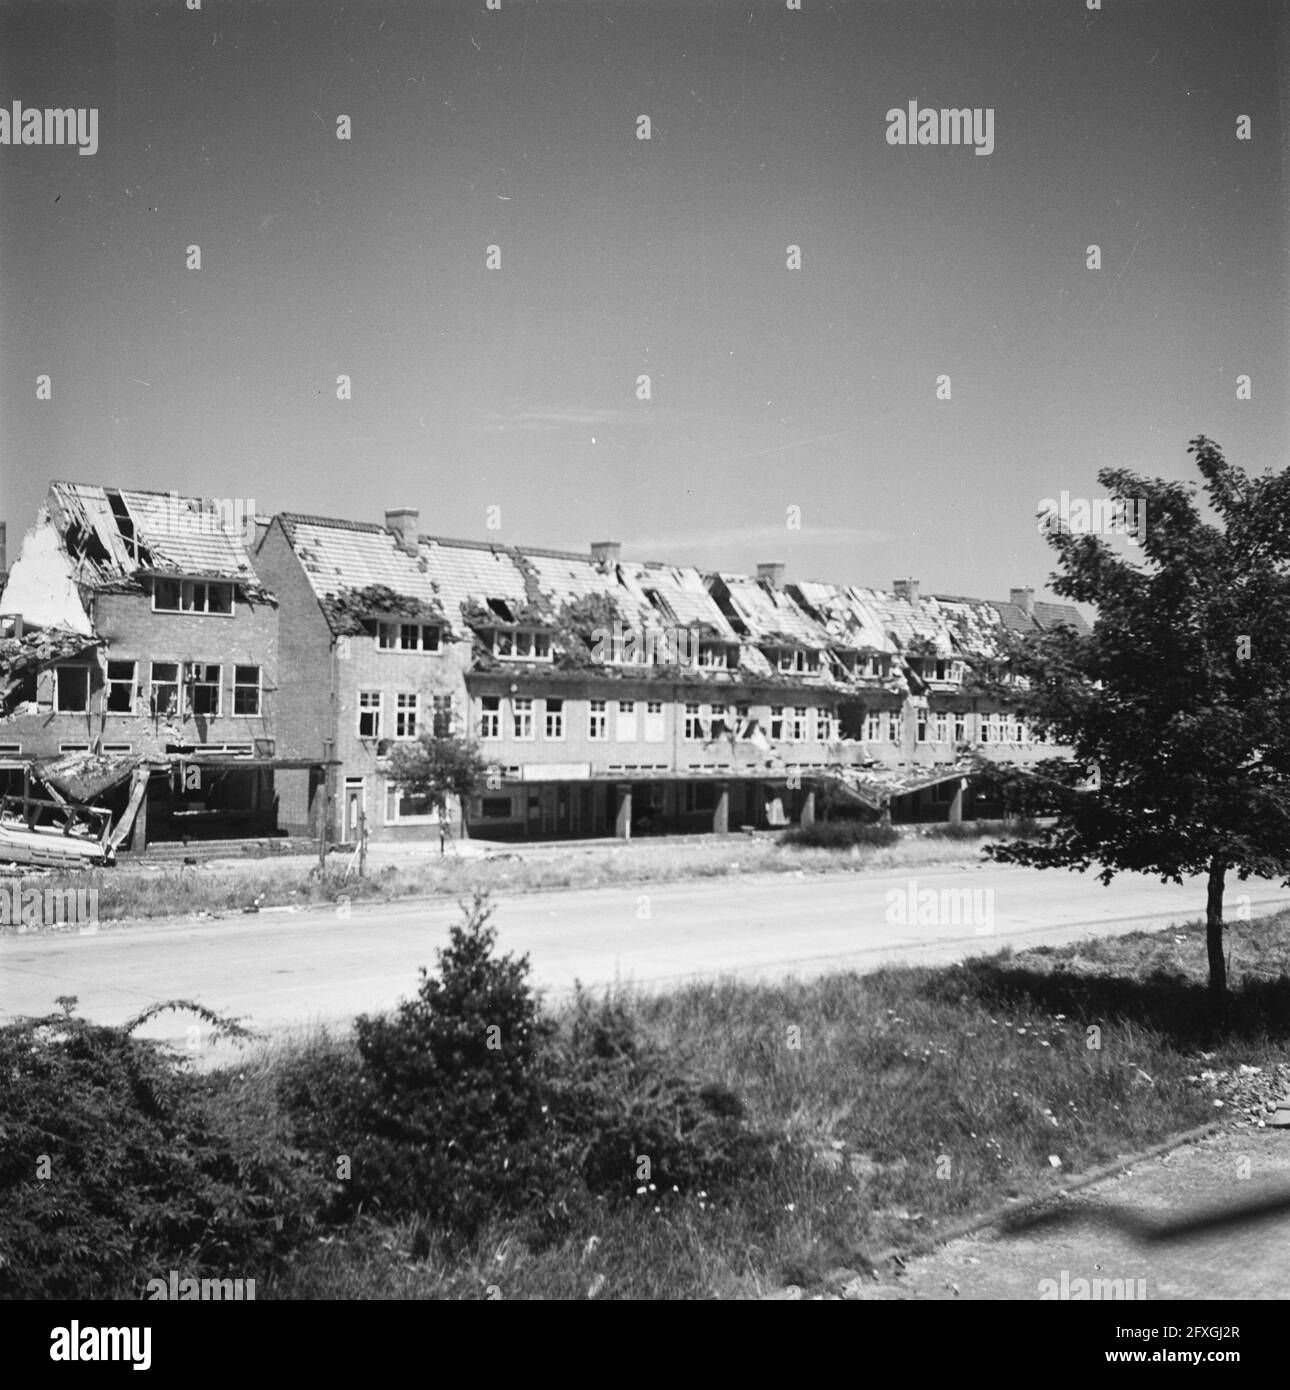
355	802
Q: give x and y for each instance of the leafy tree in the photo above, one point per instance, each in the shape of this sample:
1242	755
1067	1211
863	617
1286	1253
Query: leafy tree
1177	706
440	768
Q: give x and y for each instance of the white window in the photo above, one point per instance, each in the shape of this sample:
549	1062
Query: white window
122	686
776	722
986	725
625	730
203	680
369	714
872	727
825	720
165	687
693	724
654	721
742	716
522	711
893	726
797	725
71	689
597	721
878	667
521	645
921	726
720	722
554	728
405	716
960	728
192	596
941	727
490	716
246	690
407	637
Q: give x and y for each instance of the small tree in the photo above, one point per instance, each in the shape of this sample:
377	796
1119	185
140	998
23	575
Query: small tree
1177	706
441	769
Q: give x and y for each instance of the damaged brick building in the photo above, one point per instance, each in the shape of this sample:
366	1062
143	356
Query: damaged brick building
266	679
134	633
613	697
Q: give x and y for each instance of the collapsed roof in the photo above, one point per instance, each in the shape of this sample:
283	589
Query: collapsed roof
114	536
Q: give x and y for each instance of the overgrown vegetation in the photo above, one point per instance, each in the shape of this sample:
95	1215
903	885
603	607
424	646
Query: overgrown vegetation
786	1129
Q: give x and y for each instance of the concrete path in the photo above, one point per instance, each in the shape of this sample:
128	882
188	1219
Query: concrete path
1236	1168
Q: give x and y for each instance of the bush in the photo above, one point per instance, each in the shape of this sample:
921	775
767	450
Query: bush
117	1166
448	1117
841	834
466	1104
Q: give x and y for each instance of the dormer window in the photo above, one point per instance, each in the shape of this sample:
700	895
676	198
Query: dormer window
877	666
408	637
796	660
715	656
522	644
192	596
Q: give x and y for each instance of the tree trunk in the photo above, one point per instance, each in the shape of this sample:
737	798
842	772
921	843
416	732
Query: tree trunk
1214	929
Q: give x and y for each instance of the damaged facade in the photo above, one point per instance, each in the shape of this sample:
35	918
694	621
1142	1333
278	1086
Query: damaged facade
257	688
135	632
616	698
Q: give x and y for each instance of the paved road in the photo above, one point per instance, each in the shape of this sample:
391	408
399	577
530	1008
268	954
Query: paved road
288	969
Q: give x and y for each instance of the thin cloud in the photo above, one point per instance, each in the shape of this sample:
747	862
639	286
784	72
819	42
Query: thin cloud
554	418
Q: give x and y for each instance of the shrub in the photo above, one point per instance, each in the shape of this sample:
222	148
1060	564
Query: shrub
117	1165
841	834
449	1120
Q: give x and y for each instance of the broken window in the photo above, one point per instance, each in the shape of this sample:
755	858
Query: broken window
777	722
442	717
720	721
504	643
960	728
490	716
71	689
554	719
873	727
203	688
824	722
121	687
501	609
246	690
165	687
693	724
407	637
369	714
192	596
921	727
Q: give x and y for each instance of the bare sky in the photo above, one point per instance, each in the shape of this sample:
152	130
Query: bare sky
771	388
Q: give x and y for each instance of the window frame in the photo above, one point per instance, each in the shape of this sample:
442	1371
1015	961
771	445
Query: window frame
240	687
378	709
69	666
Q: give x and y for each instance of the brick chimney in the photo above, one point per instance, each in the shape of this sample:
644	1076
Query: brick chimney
1024	599
772	573
606	552
906	589
404	524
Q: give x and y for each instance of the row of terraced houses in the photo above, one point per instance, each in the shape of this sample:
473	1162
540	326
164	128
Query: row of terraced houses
267	667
